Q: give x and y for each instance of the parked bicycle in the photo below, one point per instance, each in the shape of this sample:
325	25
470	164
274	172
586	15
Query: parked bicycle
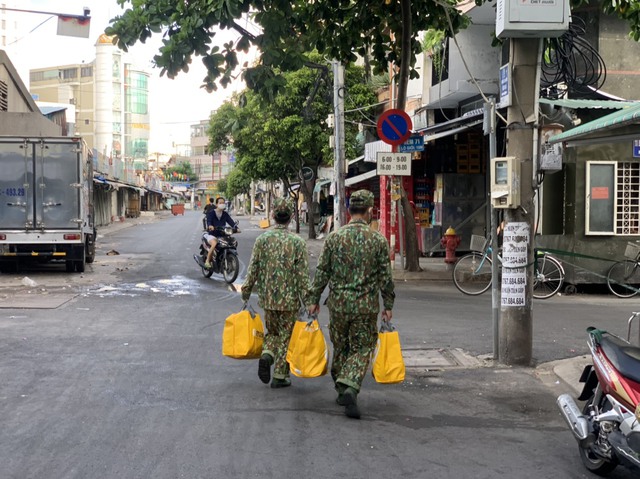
623	278
472	272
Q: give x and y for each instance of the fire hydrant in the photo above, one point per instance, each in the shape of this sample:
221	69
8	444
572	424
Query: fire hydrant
450	241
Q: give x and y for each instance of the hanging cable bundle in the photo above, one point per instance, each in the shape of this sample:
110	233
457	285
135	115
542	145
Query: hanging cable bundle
570	63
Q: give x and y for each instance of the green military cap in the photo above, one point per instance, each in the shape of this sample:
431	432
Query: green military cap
361	198
282	207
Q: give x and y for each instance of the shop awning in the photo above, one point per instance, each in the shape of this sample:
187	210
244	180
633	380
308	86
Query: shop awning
372	148
355	160
591	104
354	180
320	184
597	130
451	127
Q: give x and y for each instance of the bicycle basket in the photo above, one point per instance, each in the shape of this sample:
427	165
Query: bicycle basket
478	243
632	251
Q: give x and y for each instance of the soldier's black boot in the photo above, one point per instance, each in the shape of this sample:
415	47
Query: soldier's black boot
350	399
264	368
280	383
340	399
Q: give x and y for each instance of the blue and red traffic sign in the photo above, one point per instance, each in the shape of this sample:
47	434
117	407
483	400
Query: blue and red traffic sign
394	127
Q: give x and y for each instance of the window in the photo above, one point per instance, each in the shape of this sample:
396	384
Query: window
86	71
613	198
36	76
69	73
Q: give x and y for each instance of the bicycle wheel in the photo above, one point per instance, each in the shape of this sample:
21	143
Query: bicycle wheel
623	279
548	277
472	274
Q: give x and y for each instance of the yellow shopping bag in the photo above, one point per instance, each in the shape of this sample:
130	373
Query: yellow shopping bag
297	327
243	335
309	356
388	365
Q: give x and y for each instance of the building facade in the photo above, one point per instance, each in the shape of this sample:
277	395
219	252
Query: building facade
111	98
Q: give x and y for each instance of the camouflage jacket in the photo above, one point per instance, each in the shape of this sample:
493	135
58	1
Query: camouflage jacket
280	268
355	263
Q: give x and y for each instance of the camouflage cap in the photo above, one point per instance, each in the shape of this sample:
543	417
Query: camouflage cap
361	198
282	207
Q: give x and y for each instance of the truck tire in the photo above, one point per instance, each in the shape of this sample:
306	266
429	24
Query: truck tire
79	265
90	249
9	267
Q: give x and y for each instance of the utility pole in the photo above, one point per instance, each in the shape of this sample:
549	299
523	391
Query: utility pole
490	128
516	322
339	211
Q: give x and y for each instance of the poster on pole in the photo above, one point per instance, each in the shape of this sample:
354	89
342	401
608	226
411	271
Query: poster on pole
515	254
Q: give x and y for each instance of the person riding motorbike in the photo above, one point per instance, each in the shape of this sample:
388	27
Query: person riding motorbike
217	218
209	206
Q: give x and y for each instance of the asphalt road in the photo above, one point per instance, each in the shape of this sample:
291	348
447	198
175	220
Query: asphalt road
125	379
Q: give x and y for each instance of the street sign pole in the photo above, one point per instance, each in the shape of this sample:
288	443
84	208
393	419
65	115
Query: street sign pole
394	128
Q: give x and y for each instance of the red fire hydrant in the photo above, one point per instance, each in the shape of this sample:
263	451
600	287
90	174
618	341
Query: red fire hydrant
450	241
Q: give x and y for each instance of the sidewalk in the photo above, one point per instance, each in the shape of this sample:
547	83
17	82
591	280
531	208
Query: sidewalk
145	217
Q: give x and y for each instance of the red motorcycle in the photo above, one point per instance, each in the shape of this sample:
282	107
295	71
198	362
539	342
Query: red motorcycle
608	427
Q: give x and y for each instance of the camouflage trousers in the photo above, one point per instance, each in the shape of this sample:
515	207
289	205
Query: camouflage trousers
276	341
354	337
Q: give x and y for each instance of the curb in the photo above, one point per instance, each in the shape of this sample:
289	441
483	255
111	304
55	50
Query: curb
566	371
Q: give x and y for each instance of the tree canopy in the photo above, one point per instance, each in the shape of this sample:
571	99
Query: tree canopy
275	140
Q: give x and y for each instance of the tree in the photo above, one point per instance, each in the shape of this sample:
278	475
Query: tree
274	140
238	183
221	186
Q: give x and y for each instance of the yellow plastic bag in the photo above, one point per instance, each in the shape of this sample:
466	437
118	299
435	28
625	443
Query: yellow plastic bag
243	335
388	364
297	327
309	356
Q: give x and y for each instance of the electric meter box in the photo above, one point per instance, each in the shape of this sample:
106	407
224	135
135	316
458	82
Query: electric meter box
532	18
505	182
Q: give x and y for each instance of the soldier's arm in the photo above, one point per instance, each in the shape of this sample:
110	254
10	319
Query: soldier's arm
252	272
303	271
321	278
386	276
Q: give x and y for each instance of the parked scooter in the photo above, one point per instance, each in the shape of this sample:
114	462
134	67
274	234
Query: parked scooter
226	258
608	427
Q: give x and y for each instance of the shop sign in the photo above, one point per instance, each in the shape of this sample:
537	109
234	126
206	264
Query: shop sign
393	164
505	87
414	143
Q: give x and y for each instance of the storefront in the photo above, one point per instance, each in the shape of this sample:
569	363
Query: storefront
450	182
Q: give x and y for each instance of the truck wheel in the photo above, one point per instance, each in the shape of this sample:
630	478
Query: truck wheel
90	248
9	267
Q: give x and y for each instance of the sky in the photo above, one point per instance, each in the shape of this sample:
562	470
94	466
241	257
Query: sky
174	104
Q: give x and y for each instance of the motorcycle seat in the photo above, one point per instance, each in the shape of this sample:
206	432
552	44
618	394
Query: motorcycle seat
624	356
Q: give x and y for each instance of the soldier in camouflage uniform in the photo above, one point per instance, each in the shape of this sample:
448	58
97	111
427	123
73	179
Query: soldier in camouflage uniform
280	268
355	263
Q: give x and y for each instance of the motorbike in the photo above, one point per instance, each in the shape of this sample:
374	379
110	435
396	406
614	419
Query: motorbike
608	426
226	260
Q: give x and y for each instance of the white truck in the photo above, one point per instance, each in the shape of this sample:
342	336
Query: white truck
46	202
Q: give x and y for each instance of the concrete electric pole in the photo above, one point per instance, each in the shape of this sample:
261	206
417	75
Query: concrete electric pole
516	321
